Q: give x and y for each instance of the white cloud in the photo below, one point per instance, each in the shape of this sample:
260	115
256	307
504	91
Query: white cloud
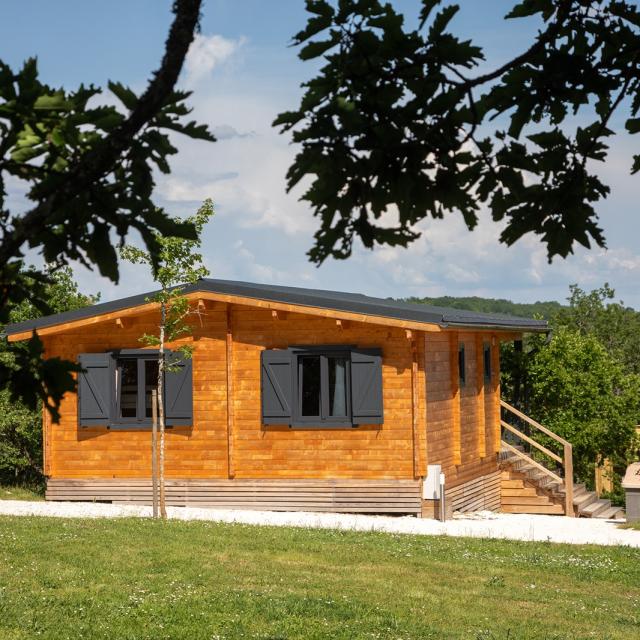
206	53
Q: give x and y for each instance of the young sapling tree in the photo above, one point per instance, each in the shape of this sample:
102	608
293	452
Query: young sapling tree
179	263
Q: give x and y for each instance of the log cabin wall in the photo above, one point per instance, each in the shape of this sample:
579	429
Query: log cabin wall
429	417
227	439
457	426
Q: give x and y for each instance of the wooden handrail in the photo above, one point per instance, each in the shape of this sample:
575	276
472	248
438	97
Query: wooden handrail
567	453
526	438
524	456
568	480
533	423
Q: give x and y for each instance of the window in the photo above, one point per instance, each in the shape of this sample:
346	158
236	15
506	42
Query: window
486	352
135	379
461	365
321	386
114	389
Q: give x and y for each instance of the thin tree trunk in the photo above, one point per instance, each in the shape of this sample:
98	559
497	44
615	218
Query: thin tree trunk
163	506
154	451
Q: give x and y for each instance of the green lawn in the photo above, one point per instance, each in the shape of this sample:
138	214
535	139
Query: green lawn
134	578
631	525
19	493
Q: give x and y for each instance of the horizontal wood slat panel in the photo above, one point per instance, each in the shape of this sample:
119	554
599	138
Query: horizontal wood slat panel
331	495
481	493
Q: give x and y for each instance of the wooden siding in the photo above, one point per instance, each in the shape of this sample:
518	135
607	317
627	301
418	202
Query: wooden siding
428	417
458	448
352	496
228	439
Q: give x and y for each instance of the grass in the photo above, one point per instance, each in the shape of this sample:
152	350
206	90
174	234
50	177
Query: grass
631	525
136	579
20	493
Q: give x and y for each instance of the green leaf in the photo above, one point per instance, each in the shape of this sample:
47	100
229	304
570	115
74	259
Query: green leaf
315	49
124	94
56	102
442	19
345	104
314	26
427	8
287	119
320	8
548	139
531	7
23	154
102	253
632	125
108	120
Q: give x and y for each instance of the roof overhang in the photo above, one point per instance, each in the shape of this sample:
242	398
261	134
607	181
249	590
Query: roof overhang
335	305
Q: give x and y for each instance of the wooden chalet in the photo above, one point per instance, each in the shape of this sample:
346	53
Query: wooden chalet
294	399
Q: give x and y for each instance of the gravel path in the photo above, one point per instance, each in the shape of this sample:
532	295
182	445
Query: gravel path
482	524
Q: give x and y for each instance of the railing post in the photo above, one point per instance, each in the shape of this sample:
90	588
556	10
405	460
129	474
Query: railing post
568	480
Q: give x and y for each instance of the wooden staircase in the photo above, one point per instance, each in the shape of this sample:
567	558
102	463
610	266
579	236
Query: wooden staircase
530	484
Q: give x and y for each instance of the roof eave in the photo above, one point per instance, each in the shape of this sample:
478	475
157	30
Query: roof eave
496	327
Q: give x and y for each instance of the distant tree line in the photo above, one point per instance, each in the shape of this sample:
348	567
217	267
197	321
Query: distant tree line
544	310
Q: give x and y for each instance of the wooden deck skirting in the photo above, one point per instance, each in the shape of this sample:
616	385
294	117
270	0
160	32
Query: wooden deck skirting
340	496
482	493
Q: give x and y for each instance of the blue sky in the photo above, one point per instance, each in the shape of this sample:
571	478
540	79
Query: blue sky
243	73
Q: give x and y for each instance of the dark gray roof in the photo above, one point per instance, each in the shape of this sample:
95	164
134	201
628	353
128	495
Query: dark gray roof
334	300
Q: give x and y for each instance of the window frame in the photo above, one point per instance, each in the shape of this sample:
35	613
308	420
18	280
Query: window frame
324	420
140	356
487	357
462	365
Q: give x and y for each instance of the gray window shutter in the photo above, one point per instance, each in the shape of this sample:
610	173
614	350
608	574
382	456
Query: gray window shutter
366	386
178	391
276	381
95	389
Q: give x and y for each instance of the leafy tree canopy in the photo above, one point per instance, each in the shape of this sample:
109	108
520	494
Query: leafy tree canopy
614	324
179	263
582	392
89	171
21	425
400	122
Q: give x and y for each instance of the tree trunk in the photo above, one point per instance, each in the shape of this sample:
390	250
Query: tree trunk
154	451
163	314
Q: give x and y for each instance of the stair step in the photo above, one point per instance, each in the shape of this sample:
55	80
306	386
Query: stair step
538	476
526	500
555	487
593	509
579	490
520	491
585	499
612	513
549	509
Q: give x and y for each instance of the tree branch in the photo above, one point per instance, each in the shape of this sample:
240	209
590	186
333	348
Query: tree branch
97	163
542	41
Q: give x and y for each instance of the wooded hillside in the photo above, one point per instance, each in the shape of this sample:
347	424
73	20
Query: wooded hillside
546	309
